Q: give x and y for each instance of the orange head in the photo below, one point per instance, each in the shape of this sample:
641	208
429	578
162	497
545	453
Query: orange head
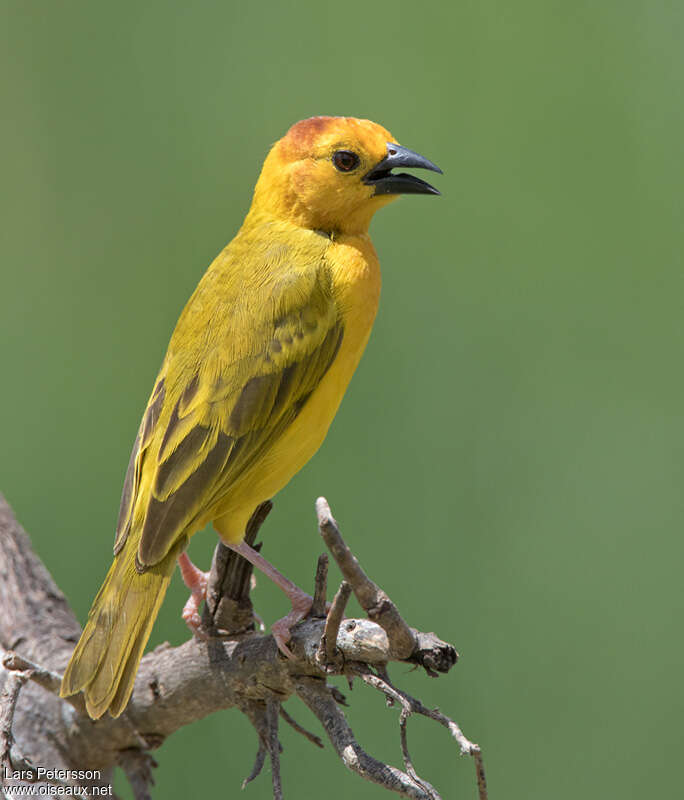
333	173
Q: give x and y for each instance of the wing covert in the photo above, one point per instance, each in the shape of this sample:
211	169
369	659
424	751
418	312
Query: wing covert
215	411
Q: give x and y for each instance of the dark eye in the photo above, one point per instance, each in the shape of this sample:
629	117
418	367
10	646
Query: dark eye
345	160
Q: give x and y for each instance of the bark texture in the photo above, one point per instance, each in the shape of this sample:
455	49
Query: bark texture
235	666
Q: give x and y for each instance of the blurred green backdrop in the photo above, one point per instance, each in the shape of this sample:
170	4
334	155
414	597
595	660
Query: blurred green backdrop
513	439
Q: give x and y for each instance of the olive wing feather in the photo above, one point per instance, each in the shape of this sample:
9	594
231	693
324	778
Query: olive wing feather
214	412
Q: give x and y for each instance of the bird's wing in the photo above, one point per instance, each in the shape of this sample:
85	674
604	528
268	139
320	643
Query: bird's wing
218	405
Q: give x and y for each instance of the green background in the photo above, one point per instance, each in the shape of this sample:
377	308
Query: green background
508	462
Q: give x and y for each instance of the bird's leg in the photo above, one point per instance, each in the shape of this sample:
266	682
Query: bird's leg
197	582
301	601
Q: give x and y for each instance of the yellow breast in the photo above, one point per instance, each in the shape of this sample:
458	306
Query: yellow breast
356	280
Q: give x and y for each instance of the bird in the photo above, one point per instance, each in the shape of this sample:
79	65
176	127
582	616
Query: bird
253	376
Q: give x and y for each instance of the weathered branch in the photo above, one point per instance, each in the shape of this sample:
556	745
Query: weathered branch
137	766
36	620
235	666
313	692
371	597
410	705
320	587
274	747
8	704
297	727
328	655
229	608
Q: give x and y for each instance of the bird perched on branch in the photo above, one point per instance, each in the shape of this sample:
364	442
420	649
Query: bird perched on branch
253	376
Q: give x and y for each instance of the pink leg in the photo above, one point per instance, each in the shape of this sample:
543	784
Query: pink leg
301	601
196	581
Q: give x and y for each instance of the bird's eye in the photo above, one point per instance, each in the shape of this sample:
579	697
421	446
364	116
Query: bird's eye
345	160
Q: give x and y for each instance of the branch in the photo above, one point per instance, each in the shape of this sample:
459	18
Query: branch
410	705
35	618
297	727
320	587
236	667
371	597
406	644
8	704
314	693
137	766
328	656
229	608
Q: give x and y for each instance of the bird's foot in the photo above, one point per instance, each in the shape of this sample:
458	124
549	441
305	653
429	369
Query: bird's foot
300	600
197	581
301	605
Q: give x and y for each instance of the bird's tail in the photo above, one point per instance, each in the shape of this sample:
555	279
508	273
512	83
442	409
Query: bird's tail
106	658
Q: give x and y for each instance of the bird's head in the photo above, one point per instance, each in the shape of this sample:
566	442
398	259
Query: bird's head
333	173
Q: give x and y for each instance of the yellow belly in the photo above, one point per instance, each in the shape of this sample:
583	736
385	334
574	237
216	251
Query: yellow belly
356	276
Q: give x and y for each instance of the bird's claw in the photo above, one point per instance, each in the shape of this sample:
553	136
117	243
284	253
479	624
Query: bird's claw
191	617
197	581
301	605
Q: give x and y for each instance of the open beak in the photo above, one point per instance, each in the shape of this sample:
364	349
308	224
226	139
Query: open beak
386	182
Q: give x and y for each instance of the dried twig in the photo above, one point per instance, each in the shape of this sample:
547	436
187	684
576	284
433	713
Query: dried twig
137	766
328	656
264	717
8	703
178	685
20	670
410	705
35	617
43	677
406	711
314	693
480	773
272	709
371	597
296	726
320	587
337	695
46	678
229	608
258	764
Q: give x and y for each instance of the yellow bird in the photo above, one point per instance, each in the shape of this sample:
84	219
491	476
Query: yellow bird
253	376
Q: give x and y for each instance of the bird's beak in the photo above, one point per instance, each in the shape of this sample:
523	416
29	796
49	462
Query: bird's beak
385	182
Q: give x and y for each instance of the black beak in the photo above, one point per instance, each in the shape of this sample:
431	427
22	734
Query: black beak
385	182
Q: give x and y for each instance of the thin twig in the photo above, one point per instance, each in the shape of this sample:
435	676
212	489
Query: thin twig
272	709
408	763
19	762
410	705
177	685
393	696
257	713
19	671
43	677
316	696
337	695
258	764
374	601
294	724
229	608
320	587
49	680
8	703
137	766
479	771
328	654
